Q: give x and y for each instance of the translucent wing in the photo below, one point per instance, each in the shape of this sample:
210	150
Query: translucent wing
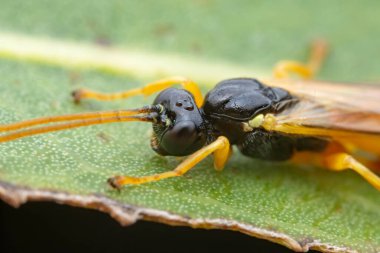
349	113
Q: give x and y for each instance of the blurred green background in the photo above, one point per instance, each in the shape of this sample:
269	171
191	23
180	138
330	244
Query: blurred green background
251	33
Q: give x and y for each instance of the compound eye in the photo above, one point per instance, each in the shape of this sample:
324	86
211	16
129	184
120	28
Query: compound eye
179	139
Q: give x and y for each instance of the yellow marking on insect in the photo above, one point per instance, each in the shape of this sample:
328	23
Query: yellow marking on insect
256	121
162	108
246	127
269	122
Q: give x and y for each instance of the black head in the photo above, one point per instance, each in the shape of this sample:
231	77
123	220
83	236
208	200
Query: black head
179	129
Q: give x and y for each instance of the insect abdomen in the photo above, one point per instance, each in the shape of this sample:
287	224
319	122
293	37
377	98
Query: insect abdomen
276	146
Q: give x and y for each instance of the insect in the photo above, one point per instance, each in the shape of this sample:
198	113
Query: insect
279	120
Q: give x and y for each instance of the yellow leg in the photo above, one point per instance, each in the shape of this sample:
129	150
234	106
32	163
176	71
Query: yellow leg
283	69
220	147
343	161
221	156
148	89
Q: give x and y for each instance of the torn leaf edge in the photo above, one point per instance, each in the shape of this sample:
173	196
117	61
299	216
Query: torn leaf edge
128	214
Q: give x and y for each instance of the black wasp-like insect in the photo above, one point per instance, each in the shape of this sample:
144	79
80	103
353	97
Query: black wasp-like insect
316	122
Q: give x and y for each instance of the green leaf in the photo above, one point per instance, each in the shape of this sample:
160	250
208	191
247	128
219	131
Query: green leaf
301	207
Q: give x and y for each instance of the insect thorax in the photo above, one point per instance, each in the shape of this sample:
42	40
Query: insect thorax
237	109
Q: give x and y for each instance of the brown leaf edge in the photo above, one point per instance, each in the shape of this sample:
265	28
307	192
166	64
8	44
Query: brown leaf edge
126	214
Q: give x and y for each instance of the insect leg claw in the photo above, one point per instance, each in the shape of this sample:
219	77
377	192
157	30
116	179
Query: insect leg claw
114	182
77	95
119	181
